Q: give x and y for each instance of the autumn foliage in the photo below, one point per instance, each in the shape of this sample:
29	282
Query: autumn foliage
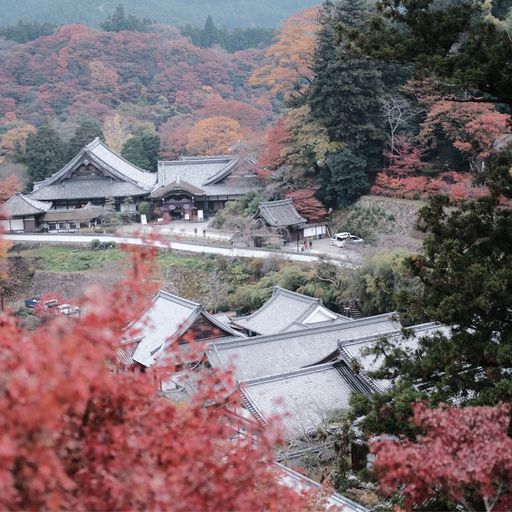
213	136
77	433
291	55
308	205
8	187
462	455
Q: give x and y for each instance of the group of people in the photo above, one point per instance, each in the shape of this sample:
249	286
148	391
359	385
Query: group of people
307	245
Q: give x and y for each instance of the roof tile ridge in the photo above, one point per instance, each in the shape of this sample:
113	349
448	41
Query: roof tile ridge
176	298
223	172
307	331
99	142
261	308
293	373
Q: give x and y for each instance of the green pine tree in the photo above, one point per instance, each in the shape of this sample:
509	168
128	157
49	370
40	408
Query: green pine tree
344	98
44	153
142	150
85	133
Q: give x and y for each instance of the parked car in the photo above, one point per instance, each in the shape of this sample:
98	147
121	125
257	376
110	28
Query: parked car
340	239
32	302
352	239
68	309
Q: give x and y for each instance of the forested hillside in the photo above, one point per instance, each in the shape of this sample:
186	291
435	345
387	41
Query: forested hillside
232	13
155	82
394	100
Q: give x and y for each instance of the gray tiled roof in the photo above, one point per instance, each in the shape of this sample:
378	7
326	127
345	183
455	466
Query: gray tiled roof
211	175
284	352
87	188
124	178
167	318
88	212
303	399
357	349
20	205
283	310
279	213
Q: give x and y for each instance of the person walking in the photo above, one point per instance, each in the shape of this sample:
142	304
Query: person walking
310	244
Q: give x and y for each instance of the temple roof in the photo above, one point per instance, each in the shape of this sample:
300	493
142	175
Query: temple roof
120	177
20	205
279	213
279	353
88	212
358	350
167	318
210	175
303	398
283	310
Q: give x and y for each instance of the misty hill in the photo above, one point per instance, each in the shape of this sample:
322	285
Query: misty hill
231	13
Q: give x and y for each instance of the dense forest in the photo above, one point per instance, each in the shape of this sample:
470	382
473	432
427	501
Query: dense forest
231	13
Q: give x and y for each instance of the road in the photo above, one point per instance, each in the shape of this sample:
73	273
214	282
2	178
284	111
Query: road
176	246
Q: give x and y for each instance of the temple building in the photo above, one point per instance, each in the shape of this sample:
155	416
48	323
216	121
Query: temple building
190	188
282	217
92	176
194	187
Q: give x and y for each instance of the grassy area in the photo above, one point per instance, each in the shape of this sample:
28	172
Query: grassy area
69	259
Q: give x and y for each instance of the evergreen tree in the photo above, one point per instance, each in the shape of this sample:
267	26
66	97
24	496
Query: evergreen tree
142	150
343	179
210	36
24	32
463	280
452	41
119	21
85	133
344	97
44	153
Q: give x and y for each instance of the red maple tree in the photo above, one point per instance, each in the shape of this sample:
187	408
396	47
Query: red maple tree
463	455
307	204
77	433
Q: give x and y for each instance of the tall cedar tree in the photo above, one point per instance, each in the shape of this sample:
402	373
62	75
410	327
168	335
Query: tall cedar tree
44	153
344	97
142	150
85	133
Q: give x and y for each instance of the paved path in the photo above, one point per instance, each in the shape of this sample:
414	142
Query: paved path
176	246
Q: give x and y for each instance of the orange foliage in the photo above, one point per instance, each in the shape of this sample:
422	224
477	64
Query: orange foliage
213	136
8	187
291	55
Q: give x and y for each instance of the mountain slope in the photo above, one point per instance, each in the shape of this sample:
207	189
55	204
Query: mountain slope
232	13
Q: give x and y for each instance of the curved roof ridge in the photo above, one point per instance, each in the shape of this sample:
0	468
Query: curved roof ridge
98	142
278	290
292	373
307	331
89	150
223	172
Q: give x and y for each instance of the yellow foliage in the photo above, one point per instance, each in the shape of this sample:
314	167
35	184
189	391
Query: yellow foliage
116	132
291	55
308	138
213	136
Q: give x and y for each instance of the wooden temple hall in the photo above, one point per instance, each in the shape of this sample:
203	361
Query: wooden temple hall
190	188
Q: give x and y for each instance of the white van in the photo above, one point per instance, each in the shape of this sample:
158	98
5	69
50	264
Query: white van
341	239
